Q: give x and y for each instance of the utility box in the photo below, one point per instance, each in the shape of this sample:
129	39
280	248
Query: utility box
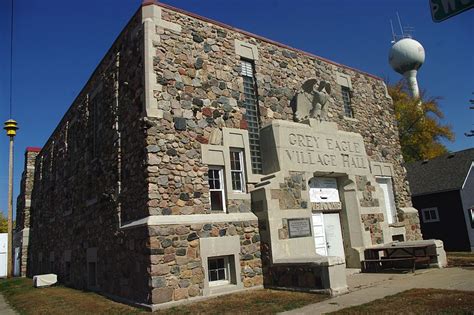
3	254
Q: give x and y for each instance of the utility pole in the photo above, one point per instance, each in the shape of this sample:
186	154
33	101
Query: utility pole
11	127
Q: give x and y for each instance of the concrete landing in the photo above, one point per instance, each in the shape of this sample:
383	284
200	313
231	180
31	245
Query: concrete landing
364	288
5	309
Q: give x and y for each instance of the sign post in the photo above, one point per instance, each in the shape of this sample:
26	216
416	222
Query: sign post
444	9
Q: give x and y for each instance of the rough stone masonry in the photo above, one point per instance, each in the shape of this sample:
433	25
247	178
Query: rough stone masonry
124	192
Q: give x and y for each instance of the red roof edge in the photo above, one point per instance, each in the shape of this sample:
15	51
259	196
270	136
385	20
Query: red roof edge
197	16
33	149
148	2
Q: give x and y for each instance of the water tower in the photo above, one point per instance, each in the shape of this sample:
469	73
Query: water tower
406	57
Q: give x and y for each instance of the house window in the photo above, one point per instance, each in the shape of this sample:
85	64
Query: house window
346	99
218	268
251	114
216	188
430	215
237	170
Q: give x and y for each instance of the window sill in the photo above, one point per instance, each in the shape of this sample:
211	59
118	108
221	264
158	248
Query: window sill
217	283
224	288
350	119
238	195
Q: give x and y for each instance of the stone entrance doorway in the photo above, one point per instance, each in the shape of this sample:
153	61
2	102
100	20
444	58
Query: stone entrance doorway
327	234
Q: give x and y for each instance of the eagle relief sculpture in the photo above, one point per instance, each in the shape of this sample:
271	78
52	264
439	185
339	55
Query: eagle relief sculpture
311	100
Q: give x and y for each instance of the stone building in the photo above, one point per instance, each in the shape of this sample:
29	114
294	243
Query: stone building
201	159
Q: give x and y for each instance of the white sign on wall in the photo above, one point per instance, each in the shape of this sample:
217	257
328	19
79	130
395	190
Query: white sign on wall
323	189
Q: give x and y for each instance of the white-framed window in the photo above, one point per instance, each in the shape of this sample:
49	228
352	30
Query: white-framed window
218	270
237	170
216	188
346	99
430	215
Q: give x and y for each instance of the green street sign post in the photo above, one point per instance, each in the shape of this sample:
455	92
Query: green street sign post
444	9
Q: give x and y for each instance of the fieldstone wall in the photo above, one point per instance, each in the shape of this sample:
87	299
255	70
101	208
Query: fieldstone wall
177	179
176	270
201	87
372	224
90	178
23	202
289	194
412	225
23	205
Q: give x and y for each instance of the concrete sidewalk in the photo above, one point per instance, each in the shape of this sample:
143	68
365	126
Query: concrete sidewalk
5	309
364	288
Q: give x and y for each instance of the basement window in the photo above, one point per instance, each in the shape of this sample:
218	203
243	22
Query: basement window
430	215
218	268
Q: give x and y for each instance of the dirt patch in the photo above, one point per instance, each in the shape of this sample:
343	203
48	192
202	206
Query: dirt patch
460	259
20	294
418	301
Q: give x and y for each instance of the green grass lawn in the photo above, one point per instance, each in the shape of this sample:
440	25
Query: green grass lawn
25	299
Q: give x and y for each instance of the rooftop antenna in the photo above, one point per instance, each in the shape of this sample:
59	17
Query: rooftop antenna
394	39
408	31
400	24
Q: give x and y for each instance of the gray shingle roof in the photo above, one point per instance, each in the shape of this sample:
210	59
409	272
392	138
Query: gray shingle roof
444	173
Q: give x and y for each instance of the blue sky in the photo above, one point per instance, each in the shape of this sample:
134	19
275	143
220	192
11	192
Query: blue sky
57	45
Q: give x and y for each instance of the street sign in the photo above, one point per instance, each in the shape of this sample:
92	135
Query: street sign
444	9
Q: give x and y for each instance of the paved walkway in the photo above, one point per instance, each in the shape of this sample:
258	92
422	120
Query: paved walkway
5	309
364	288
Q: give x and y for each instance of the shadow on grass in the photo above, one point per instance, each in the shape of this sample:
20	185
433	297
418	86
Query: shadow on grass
25	299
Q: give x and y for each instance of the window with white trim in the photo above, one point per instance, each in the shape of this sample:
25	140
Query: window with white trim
237	170
218	270
430	215
346	100
216	188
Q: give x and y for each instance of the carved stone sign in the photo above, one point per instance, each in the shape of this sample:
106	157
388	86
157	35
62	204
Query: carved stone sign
311	100
323	147
299	227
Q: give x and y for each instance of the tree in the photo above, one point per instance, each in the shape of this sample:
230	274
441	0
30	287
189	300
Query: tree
3	223
471	132
419	125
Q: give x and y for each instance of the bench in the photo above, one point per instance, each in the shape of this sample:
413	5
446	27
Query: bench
377	264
